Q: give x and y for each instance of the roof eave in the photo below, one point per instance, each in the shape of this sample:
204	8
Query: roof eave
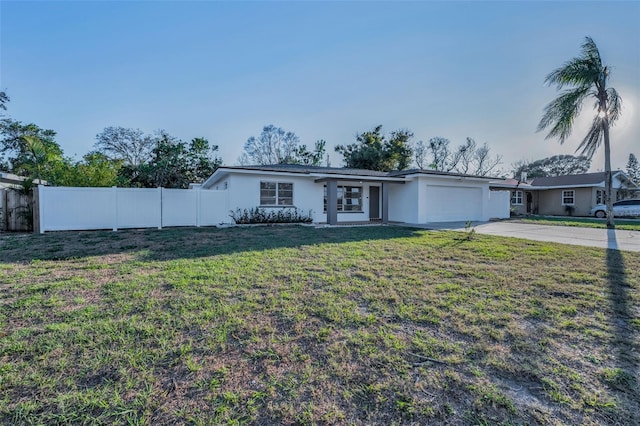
323	177
435	173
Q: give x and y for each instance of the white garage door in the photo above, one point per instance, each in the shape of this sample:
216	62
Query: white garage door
450	204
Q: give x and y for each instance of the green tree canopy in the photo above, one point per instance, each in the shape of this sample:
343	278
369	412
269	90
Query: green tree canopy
14	140
172	164
30	151
374	150
94	170
633	169
557	165
308	157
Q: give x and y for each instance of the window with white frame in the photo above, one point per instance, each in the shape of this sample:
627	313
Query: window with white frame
600	196
516	198
349	198
276	194
568	197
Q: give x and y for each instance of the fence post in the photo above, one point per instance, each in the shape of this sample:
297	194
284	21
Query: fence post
198	207
115	207
37	210
3	207
227	198
160	200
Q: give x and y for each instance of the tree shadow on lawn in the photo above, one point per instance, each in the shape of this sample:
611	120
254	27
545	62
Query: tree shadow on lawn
626	353
184	243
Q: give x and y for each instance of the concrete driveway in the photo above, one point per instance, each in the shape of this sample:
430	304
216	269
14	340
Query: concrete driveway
590	237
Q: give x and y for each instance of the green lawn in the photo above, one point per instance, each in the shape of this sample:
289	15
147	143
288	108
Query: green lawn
297	325
623	224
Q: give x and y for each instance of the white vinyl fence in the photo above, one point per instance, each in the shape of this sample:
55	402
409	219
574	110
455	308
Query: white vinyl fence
66	208
499	204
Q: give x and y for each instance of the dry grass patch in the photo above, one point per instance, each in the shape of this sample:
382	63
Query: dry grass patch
296	325
621	223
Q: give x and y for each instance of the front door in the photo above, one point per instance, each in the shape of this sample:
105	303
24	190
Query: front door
374	202
529	202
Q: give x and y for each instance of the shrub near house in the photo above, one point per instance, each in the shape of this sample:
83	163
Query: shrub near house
257	215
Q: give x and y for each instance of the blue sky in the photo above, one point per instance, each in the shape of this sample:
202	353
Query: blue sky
324	70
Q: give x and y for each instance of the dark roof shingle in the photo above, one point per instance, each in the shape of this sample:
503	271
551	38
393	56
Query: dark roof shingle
570	180
296	168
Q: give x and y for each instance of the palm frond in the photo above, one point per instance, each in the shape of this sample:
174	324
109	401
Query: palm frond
584	70
590	51
576	72
614	108
584	76
561	113
593	139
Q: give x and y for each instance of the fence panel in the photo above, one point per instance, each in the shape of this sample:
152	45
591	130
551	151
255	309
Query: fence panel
67	208
214	208
139	208
179	207
499	204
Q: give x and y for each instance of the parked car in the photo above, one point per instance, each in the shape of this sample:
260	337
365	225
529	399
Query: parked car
620	208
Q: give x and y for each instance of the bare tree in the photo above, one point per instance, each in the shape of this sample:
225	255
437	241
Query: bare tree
465	157
4	99
485	165
273	146
129	145
441	158
420	155
468	158
277	146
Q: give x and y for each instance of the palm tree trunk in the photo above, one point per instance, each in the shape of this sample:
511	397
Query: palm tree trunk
607	175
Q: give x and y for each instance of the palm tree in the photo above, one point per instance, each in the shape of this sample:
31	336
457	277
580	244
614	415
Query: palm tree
36	157
585	77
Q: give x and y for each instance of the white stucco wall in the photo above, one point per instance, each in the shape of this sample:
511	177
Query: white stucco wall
456	199
421	199
244	193
404	202
499	204
424	199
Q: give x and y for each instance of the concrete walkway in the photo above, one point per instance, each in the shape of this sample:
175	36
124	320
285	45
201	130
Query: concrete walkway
590	237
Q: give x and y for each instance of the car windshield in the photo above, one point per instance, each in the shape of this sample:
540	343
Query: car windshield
627	203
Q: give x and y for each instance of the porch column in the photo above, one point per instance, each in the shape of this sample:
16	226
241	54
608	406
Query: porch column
385	202
332	202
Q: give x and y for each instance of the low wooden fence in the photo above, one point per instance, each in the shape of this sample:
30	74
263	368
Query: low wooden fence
16	210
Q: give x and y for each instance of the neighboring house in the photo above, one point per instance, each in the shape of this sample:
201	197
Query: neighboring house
338	195
565	195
